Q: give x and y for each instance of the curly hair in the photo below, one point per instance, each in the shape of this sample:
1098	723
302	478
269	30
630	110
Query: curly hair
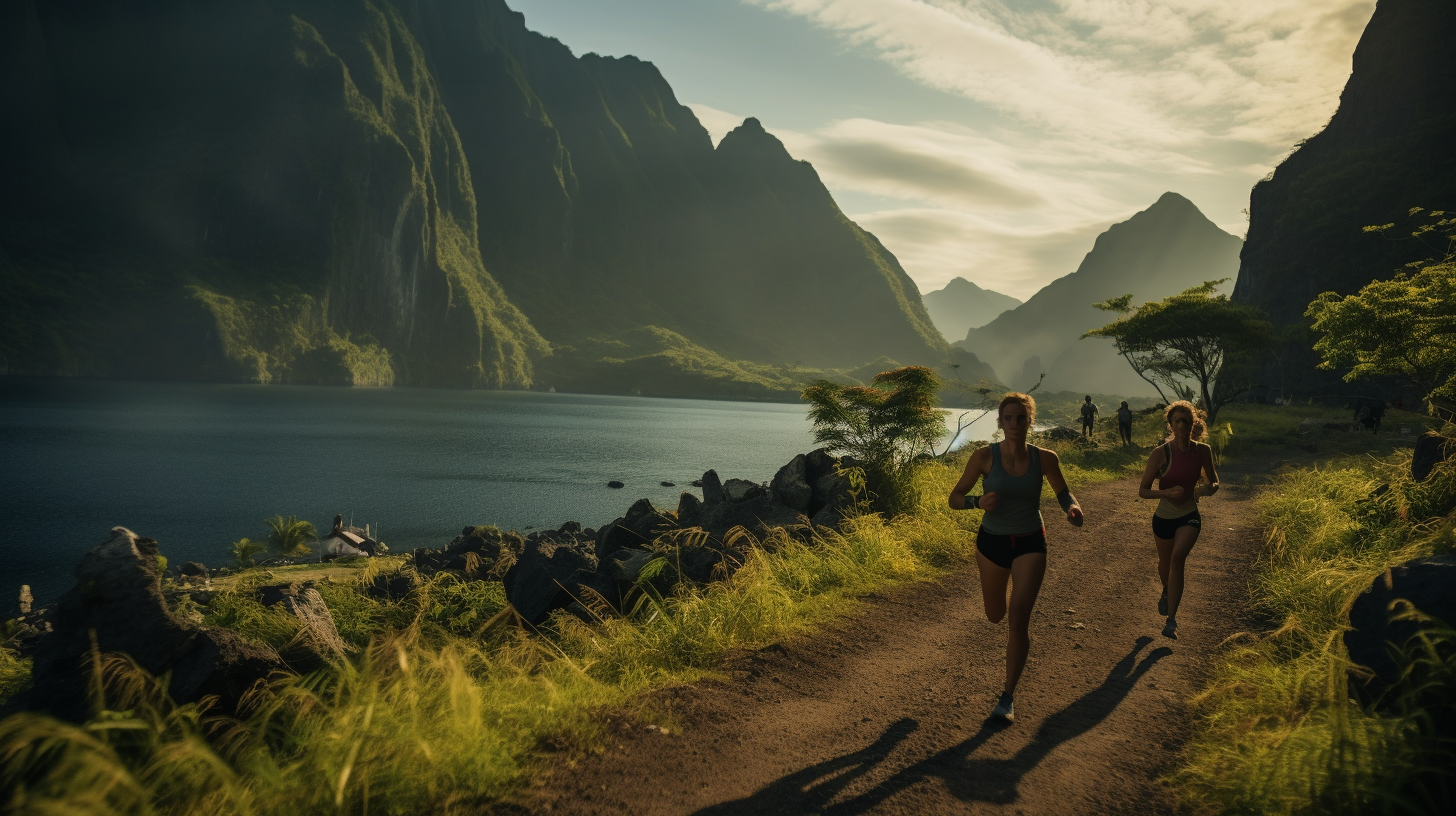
1200	420
1025	400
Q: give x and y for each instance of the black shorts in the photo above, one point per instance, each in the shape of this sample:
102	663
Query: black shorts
1003	549
1165	527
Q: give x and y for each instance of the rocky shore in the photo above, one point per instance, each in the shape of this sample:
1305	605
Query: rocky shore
120	604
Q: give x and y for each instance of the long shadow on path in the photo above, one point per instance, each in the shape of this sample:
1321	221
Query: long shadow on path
966	777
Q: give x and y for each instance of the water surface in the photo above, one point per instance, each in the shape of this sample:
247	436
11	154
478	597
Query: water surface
199	466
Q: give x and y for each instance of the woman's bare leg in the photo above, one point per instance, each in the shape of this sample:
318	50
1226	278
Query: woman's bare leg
1182	544
1165	557
1027	572
993	587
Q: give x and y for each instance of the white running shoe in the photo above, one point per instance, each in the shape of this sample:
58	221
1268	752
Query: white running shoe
1005	710
1170	629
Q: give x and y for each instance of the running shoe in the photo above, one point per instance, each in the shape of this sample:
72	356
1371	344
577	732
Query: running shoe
1004	710
1163	604
1170	629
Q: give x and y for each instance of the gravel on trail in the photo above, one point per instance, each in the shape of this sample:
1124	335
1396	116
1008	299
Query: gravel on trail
885	711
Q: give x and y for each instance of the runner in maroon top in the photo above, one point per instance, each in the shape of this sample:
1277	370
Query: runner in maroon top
1177	464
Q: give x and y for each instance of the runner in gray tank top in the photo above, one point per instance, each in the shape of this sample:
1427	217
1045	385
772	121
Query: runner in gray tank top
1011	544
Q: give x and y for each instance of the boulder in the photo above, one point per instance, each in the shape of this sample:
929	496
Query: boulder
642	525
1428	583
321	642
391	587
494	550
193	569
689	510
614	580
738	490
757	515
547	575
1431	450
712	489
790	486
615	485
117	604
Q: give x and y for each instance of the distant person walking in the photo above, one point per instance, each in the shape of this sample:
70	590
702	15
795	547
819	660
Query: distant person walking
1177	463
1089	416
1124	423
1011	544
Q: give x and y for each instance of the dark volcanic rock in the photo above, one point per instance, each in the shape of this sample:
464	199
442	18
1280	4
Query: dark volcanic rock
642	525
689	510
547	575
712	488
1428	583
790	486
495	550
737	490
321	642
118	601
1431	450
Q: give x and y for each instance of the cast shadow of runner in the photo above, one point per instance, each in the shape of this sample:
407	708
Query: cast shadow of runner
966	777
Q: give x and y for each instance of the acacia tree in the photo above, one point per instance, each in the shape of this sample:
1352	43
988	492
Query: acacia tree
1147	363
885	425
1190	335
1404	327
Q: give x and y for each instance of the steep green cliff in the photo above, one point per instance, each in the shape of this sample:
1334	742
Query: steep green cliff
397	192
1388	148
277	198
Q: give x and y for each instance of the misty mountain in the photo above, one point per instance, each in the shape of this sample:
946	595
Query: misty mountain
1158	252
962	306
377	192
1387	149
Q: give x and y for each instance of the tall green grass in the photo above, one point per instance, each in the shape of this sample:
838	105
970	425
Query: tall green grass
1280	732
432	714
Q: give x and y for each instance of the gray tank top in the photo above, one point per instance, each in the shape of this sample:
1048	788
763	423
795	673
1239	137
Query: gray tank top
1018	509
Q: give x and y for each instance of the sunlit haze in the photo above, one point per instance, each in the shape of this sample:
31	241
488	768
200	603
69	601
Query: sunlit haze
994	139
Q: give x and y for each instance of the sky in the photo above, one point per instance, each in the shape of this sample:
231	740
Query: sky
995	139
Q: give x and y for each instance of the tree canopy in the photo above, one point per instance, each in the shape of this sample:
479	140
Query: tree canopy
1404	327
1187	336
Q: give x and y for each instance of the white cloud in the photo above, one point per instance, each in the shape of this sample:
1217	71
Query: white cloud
944	244
1146	78
1097	107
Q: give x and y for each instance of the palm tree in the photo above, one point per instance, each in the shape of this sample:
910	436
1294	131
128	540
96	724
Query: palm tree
290	536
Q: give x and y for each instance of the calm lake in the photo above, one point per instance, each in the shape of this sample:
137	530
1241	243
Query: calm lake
199	466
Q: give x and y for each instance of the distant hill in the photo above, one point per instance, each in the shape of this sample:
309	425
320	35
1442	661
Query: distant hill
962	306
1160	251
1388	148
327	191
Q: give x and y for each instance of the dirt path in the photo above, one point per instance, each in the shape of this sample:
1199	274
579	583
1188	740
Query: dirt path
886	712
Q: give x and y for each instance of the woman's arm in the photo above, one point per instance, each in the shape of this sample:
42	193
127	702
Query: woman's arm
1155	464
1052	467
1209	473
975	469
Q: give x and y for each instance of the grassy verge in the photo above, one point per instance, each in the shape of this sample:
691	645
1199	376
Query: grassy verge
430	716
1279	731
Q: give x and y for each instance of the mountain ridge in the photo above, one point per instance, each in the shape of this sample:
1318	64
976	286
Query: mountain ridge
1157	252
961	305
399	193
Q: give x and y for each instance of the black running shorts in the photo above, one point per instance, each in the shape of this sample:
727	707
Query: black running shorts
1165	528
1003	549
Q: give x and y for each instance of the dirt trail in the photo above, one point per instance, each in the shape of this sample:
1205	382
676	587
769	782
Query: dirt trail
886	712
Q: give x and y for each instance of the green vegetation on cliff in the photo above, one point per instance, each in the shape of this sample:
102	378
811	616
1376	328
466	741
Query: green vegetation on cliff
365	193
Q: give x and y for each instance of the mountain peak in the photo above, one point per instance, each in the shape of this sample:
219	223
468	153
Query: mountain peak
1172	199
